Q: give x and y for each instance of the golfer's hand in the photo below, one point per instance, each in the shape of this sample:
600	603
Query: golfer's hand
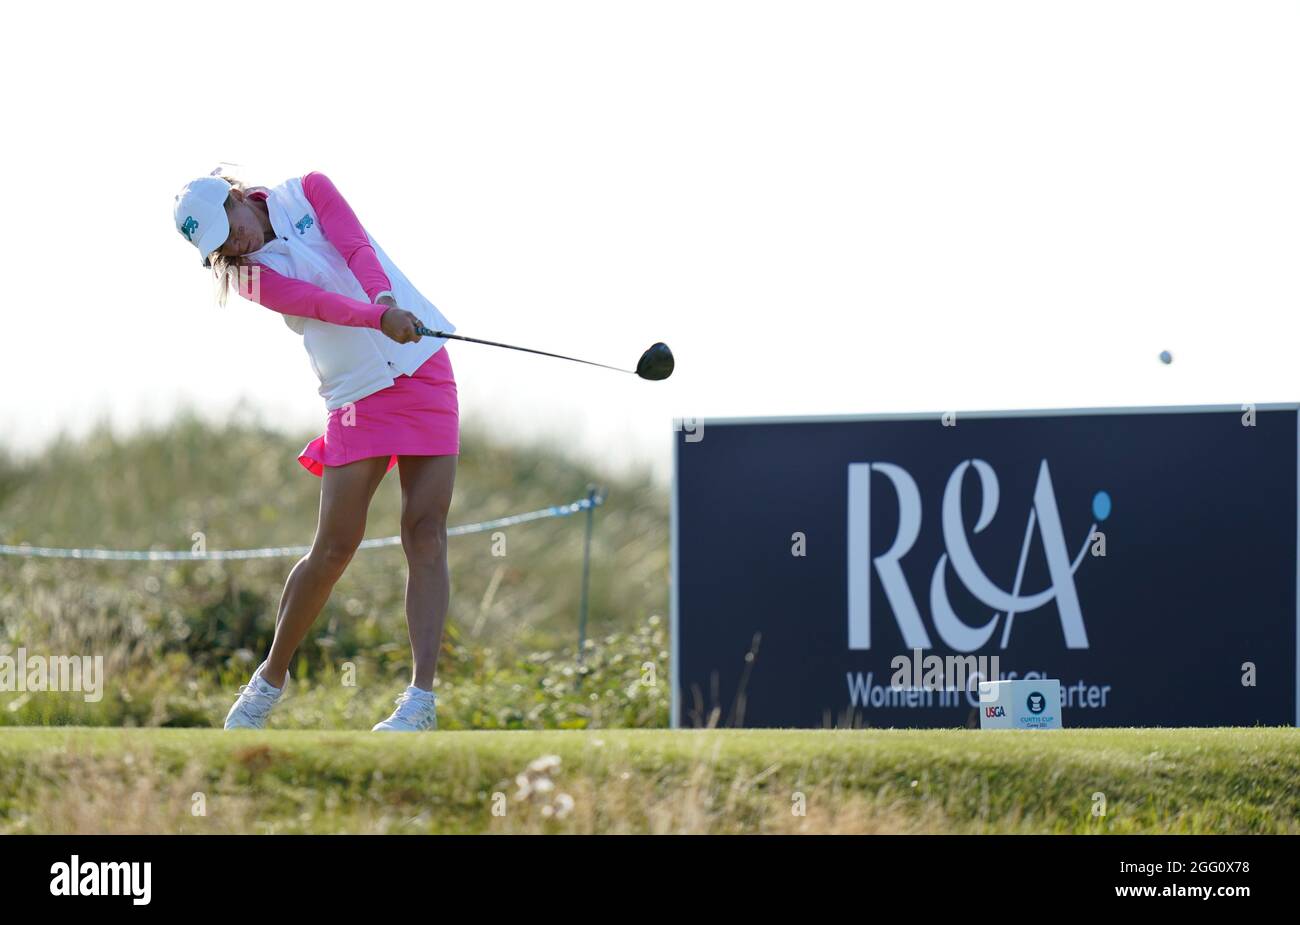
399	325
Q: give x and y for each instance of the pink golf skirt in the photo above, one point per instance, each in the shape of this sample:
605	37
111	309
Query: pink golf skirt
418	415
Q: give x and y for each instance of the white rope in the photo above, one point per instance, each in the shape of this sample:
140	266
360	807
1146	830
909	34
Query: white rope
271	552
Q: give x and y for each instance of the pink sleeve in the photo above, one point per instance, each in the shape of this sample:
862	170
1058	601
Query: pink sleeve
341	228
306	300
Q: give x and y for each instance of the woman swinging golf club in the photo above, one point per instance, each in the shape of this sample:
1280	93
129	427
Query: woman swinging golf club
390	393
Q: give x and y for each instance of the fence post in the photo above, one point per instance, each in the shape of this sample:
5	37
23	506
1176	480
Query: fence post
594	497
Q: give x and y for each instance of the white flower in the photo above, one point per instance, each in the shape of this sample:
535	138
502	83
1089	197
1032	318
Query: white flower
563	805
545	764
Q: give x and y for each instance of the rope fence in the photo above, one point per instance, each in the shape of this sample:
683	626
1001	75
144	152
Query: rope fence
594	499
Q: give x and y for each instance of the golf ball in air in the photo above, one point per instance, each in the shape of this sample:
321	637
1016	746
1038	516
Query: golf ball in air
1166	357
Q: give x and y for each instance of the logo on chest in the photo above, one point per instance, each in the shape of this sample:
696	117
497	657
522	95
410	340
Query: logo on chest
303	224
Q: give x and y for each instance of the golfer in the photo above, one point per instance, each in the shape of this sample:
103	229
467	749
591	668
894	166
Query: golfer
298	249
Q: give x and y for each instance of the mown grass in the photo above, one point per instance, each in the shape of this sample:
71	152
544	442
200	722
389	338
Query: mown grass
658	781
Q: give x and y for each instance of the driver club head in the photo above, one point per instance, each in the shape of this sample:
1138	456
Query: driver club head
656	363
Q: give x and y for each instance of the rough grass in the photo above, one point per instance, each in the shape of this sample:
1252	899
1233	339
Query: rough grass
79	780
178	638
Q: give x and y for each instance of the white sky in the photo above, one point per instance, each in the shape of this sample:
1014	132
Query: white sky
822	207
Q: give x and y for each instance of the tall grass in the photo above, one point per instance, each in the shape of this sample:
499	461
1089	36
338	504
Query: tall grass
177	638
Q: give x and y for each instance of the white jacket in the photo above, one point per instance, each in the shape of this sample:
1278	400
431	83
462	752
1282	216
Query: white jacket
351	362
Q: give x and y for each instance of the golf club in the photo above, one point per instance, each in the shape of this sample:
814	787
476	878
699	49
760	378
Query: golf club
655	363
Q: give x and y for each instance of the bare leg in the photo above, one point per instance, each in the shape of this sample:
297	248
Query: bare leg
344	501
427	483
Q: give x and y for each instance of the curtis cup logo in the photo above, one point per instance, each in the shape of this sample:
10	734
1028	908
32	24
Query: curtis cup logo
956	633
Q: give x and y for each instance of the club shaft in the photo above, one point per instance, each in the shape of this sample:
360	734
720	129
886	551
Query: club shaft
425	332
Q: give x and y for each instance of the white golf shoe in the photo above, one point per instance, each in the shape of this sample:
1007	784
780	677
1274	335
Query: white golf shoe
417	710
255	701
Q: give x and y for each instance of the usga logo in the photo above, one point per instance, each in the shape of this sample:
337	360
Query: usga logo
955	632
995	711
